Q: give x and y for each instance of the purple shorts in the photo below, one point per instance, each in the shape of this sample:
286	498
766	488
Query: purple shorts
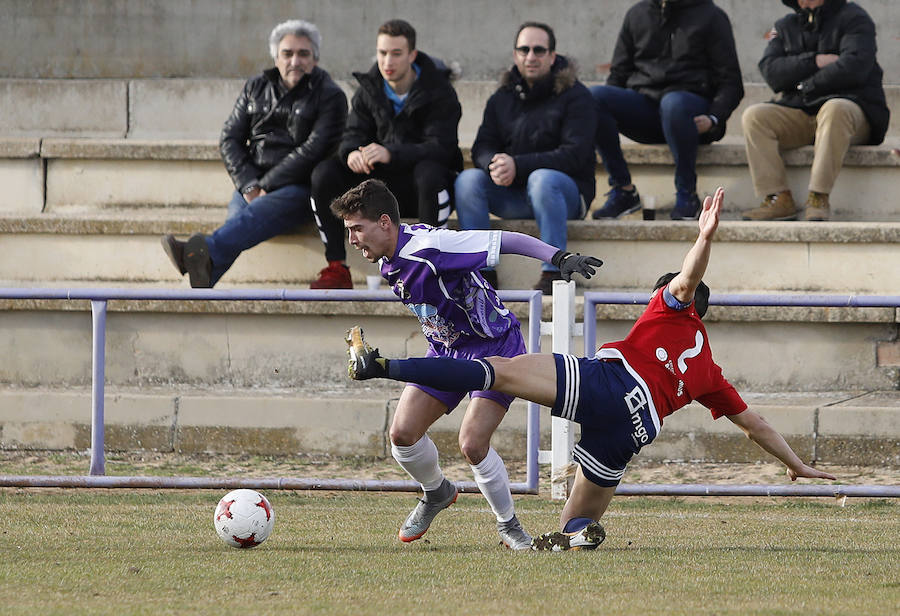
510	345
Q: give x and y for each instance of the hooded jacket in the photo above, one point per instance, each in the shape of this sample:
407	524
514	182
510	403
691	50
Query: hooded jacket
548	126
425	128
680	45
276	139
837	27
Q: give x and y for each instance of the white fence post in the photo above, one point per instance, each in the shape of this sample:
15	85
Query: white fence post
563	430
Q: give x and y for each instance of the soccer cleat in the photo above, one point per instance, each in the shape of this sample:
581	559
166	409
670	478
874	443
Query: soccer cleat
588	538
365	362
420	518
513	536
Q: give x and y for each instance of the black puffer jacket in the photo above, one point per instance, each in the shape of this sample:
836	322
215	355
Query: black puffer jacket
549	126
276	140
425	128
671	45
837	27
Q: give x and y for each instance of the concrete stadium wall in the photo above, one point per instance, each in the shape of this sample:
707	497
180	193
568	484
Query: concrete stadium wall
227	38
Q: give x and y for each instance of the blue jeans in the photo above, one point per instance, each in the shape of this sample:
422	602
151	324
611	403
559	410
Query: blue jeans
550	197
640	118
248	224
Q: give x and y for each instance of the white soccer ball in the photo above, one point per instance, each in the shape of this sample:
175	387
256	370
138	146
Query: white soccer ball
244	518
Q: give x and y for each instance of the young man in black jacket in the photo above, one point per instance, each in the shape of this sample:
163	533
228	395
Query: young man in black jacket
674	79
533	155
821	61
401	130
285	121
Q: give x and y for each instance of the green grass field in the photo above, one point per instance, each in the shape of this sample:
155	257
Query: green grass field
119	552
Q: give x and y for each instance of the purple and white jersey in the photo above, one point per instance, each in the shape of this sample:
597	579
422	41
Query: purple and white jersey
435	273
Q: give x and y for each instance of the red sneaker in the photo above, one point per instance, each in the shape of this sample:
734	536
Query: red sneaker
335	276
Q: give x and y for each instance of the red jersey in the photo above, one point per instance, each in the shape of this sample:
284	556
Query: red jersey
669	350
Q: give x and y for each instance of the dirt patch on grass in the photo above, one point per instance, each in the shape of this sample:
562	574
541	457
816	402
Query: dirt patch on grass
221	465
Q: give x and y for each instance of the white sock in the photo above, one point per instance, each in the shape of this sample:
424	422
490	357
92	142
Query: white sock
420	460
493	481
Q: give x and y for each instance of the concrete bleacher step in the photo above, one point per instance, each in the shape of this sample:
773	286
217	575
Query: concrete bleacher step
837	427
122	244
49	174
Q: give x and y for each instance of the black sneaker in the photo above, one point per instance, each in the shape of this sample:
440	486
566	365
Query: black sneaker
687	207
175	251
197	262
545	282
365	362
619	202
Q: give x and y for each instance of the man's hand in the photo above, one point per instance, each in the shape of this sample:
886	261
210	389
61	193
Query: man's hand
569	263
824	59
357	163
375	153
253	194
808	471
502	169
703	123
709	216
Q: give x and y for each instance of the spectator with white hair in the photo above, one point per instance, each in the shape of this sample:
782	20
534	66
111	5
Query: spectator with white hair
285	121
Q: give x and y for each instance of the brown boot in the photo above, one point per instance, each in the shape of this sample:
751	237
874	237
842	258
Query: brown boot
817	206
779	206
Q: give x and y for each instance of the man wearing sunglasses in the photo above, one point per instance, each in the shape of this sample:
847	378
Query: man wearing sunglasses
533	155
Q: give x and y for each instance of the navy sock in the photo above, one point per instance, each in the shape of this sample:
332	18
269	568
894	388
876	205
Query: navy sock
576	524
444	373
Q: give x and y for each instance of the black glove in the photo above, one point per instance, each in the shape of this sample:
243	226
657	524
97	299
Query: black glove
573	263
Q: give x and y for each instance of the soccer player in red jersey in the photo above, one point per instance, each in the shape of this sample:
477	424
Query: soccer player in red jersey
620	396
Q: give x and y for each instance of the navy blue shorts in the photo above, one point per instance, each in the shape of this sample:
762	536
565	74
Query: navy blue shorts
615	411
510	345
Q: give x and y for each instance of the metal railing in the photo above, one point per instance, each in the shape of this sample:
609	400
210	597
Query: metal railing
99	298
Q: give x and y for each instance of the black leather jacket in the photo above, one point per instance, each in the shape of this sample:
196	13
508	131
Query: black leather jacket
837	27
274	139
425	128
671	45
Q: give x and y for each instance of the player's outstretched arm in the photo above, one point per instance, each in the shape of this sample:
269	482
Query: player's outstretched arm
760	432
697	258
568	263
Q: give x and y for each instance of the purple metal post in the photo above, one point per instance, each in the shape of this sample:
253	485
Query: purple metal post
98	435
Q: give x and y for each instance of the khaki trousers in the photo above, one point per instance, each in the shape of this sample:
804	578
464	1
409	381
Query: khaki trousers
769	127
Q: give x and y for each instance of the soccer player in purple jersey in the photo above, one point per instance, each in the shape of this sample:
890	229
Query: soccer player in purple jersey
435	272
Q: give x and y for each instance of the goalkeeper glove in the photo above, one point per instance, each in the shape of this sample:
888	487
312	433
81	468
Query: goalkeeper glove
573	263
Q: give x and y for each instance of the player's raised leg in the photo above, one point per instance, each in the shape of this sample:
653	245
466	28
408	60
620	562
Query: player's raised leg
483	415
416	453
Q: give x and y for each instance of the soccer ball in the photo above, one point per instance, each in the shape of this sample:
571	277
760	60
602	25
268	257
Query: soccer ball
244	518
